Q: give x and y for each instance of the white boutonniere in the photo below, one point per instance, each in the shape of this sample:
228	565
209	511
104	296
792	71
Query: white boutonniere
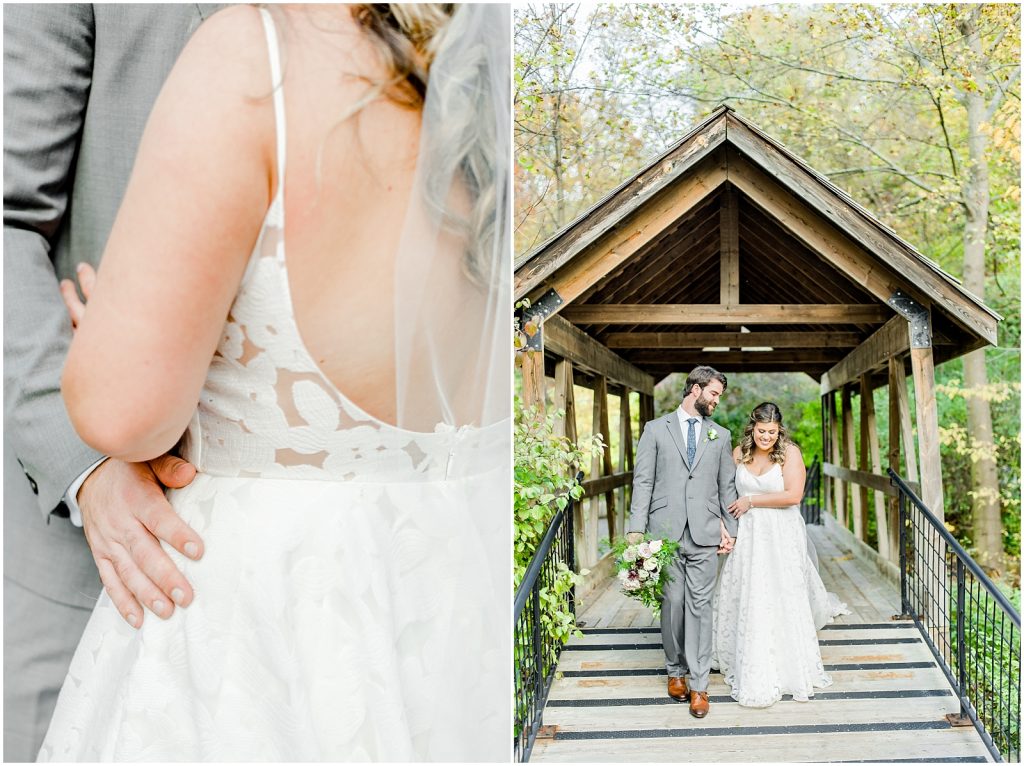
712	435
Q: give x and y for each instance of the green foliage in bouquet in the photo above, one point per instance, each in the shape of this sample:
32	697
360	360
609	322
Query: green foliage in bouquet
641	564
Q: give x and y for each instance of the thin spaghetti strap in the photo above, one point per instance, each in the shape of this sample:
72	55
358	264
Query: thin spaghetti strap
277	83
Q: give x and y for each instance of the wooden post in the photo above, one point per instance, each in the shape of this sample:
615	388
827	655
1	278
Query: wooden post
922	364
625	451
905	423
603	462
895	375
862	460
838	485
850	461
867	399
533	379
729	248
564	398
929	548
826	453
646	410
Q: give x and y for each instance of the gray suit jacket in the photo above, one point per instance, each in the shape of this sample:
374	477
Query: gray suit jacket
670	495
79	83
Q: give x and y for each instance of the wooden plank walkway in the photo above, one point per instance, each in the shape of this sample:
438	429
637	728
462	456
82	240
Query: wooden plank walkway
888	699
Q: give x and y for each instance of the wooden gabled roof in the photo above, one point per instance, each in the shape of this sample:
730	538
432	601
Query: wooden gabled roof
728	233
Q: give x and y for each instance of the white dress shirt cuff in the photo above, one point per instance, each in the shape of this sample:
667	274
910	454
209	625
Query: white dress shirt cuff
71	496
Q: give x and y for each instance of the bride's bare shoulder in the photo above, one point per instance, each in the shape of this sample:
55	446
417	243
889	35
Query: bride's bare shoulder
737	453
793	454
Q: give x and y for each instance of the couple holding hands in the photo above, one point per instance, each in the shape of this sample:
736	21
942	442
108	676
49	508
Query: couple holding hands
757	619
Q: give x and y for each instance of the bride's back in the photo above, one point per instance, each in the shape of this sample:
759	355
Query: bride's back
347	187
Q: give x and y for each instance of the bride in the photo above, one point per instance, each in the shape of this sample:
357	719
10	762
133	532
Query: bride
309	278
770	600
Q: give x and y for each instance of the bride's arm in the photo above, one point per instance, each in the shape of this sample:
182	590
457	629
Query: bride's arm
189	220
794	474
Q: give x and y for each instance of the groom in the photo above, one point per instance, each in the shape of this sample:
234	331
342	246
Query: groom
684	479
79	81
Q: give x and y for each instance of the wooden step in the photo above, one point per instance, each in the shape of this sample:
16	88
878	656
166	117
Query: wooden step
884	745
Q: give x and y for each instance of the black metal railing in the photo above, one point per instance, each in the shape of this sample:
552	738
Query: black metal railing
810	504
536	651
968	623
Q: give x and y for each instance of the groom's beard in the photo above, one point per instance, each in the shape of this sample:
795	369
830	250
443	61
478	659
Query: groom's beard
704	406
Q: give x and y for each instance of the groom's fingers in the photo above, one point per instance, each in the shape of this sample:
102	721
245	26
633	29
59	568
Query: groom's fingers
160	522
86	278
123	505
75	307
136	580
121	597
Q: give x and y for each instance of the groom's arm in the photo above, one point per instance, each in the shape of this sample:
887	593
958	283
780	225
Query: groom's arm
48	54
48	58
643	480
727	487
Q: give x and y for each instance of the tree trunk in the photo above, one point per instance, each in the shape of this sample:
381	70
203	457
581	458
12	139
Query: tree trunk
987	521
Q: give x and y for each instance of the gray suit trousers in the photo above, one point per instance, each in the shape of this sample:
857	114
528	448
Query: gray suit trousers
40	636
686	612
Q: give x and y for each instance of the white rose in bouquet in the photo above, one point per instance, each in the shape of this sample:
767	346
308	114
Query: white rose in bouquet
655	546
630	553
632	583
623	574
650	565
644	549
643	574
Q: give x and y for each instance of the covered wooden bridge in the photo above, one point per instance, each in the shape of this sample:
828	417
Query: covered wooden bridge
729	250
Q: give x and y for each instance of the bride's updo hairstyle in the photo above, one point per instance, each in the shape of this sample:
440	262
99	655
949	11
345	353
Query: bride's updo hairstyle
408	36
766	412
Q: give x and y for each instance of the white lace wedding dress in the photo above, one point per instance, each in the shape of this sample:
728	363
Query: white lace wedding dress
769	602
352	601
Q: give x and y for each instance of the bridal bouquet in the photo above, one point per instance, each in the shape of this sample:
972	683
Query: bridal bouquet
642	565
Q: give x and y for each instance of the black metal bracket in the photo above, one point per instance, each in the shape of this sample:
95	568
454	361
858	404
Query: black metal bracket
918	316
537	312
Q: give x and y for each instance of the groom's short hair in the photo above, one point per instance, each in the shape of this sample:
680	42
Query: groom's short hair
703	375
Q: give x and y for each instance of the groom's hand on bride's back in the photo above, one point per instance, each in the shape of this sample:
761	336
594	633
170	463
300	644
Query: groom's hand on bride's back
124	512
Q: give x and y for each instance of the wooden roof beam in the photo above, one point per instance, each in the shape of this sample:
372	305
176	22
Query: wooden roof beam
620	244
717	314
617	207
659	371
806	357
569	342
799	218
793	339
891	340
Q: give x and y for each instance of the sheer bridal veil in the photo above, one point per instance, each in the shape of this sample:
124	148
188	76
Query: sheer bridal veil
453	268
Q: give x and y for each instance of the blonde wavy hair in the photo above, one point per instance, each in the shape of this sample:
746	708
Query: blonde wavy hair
766	412
408	37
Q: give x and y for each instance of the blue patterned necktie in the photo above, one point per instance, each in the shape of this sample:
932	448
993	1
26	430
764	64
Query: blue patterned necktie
691	441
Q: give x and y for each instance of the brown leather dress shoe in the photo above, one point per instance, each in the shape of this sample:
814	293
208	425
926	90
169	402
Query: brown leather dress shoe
677	689
699	704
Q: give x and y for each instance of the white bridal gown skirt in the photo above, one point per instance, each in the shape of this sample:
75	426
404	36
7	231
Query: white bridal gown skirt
769	604
338	621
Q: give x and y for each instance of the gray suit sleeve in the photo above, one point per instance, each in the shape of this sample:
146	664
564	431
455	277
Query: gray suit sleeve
644	469
727	489
48	54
